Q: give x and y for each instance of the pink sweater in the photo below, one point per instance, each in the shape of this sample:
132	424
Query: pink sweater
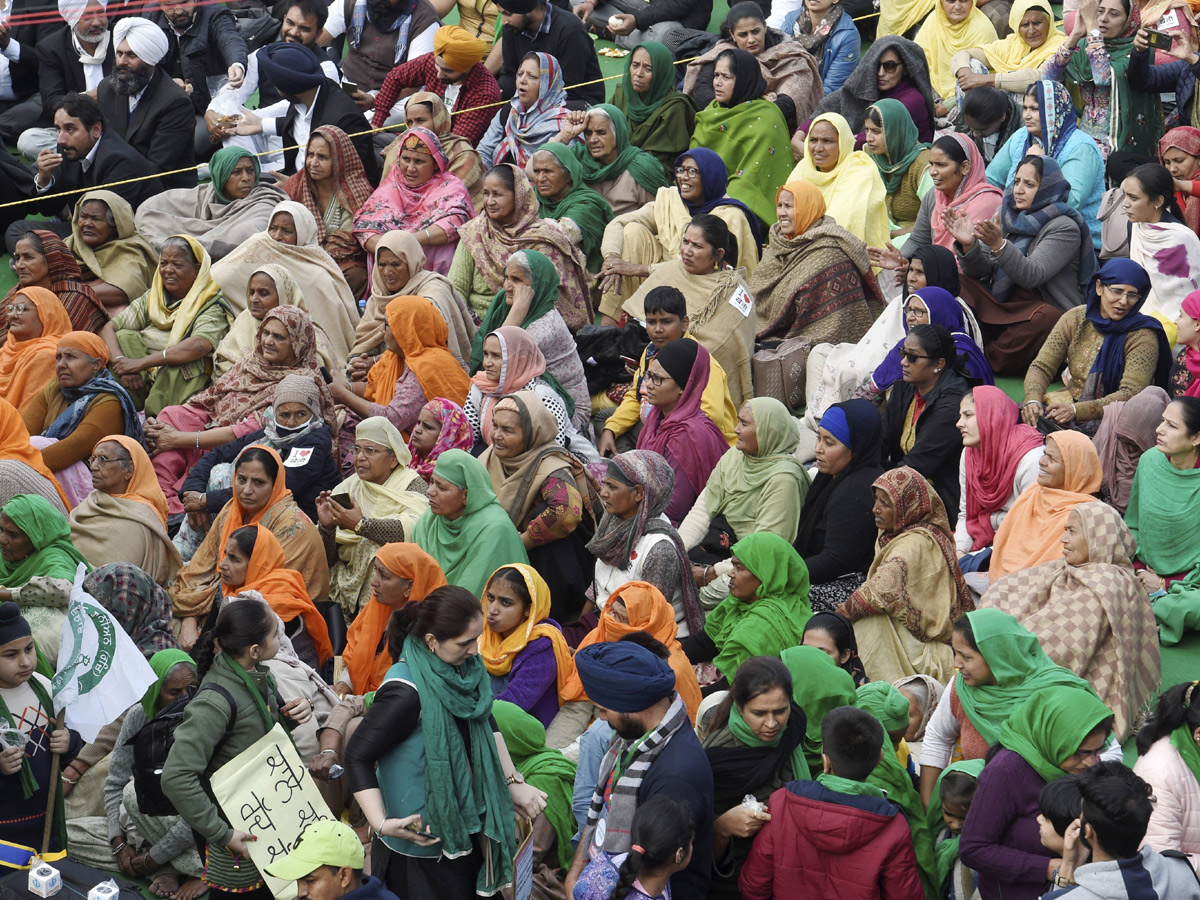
1175	823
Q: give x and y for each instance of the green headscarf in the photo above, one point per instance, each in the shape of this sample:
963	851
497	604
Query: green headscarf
818	685
1162	504
1019	666
546	769
1050	725
162	663
481	540
645	169
545	292
740	730
946	851
885	703
582	205
1139	123
221	166
775	619
464	794
662	82
662	121
53	555
900	138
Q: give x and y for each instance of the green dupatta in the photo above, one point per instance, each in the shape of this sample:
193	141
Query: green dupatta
582	205
754	141
775	619
545	293
740	730
662	121
162	663
53	556
946	851
818	686
644	168
1135	120
1049	727
546	769
1161	514
221	166
900	138
465	794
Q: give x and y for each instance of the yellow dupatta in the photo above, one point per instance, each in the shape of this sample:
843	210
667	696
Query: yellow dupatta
1011	53
177	322
941	39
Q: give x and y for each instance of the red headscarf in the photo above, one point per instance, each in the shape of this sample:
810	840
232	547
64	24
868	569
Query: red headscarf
1187	139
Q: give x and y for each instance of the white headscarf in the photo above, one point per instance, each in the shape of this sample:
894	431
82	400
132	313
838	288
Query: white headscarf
147	41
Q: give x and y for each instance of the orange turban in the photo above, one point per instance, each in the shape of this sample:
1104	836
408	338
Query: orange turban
461	52
85	342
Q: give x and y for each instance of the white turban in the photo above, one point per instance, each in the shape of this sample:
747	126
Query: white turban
147	41
72	10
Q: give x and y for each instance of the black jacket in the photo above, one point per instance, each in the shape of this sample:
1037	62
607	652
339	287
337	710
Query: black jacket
938	445
115	161
333	106
841	539
43	22
569	43
16	183
208	48
59	69
162	128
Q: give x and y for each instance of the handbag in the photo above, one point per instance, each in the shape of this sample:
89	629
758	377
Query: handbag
779	372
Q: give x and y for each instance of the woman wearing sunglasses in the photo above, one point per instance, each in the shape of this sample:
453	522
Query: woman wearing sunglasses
919	428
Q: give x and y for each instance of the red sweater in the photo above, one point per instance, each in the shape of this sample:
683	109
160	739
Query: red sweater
479	88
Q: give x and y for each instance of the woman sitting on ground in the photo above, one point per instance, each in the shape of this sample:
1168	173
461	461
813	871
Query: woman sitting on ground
914	590
815	278
35	323
535	115
1014	61
1159	241
22	469
425	109
1128	430
833	634
946	32
661	120
579	210
1179	152
41	259
625	176
902	161
827	31
115	261
1115	649
1167	761
441	425
220	214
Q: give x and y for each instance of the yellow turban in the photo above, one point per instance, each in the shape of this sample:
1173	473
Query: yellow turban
455	45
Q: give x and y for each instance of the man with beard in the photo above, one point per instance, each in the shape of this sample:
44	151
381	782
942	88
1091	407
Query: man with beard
143	105
28	22
86	155
207	51
539	26
381	34
456	73
310	100
654	752
74	57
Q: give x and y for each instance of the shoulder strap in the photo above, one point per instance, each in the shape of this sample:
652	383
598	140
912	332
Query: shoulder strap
210	686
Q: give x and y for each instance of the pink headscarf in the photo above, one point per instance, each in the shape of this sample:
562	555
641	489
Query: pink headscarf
975	196
521	362
992	466
456	434
1191	358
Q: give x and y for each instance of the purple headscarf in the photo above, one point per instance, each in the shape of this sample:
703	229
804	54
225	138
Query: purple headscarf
945	311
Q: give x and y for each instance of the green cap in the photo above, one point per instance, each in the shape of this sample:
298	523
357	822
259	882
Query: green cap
324	843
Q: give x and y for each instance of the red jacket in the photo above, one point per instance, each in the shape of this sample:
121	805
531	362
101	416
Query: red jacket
822	844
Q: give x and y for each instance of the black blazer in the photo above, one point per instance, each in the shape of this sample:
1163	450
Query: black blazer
16	183
332	107
115	160
939	443
59	69
24	70
208	48
162	128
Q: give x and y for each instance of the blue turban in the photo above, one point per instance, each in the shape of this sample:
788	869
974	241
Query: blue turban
292	68
623	676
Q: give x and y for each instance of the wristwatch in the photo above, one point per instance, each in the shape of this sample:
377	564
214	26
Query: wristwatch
514	778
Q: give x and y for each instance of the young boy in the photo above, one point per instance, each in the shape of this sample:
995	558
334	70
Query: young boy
837	836
1058	806
666	321
27	739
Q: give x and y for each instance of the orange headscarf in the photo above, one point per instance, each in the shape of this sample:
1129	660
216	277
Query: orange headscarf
143	486
283	589
1032	529
237	516
366	667
808	203
86	342
648	611
499	653
421	332
14	444
28	366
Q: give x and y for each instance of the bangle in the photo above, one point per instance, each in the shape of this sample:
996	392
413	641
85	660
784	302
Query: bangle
1032	403
197	440
328	750
704	574
115	358
68	780
117	850
164	353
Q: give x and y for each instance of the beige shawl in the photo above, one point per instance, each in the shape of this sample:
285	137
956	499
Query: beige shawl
219	227
107	529
128	261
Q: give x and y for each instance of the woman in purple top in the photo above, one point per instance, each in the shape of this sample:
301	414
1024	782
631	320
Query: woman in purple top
522	647
1057	731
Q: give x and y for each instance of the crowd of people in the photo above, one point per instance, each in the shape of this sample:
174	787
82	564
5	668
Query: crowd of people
775	482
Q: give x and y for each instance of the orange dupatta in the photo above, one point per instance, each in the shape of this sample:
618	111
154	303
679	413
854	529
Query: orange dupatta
28	366
282	588
143	486
422	333
236	518
14	444
366	667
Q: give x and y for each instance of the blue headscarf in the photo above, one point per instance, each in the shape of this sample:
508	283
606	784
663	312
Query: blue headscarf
1057	116
714	179
1110	361
945	311
1022	226
81	397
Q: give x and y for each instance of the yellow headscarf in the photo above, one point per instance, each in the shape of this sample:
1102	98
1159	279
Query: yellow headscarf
854	194
1012	53
498	655
940	39
898	16
204	289
389	500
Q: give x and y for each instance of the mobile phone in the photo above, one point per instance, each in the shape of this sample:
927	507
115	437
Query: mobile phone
344	500
1159	40
629	361
325	374
350	87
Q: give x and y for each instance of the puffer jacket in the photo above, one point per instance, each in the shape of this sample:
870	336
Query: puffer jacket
1175	822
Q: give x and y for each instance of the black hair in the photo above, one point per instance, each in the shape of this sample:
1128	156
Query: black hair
311	8
662	826
532	55
1156	181
853	739
754	678
963	627
1121	163
1189	408
1059	803
958	787
259	454
986	105
512	576
874	116
938	343
428	104
952	148
245	538
748	9
81	107
1117	804
445	613
650	642
837	627
717	234
176	242
665	299
240	625
1038	163
505	173
1172	711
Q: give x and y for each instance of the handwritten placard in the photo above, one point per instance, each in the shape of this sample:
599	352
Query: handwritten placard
266	791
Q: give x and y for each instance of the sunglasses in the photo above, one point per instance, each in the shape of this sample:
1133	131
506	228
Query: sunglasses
913	357
890	65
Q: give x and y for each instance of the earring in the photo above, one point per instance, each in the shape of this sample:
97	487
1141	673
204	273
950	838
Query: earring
937	371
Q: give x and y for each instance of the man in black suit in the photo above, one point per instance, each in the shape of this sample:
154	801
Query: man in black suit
145	107
16	184
310	100
20	106
92	155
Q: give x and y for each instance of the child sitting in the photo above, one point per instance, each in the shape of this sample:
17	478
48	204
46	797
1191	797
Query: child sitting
836	836
661	838
28	739
1059	804
948	808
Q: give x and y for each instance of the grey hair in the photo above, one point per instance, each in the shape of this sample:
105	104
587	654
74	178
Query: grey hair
521	258
554	159
597	111
122	457
178	243
109	218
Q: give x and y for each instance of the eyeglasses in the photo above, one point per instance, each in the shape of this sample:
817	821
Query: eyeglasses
655	380
913	357
16	309
889	65
686	171
369	452
915	310
101	460
1115	292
